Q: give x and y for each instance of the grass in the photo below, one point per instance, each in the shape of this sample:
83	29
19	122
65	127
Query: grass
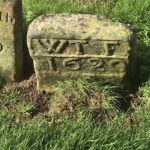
79	123
75	133
84	94
88	117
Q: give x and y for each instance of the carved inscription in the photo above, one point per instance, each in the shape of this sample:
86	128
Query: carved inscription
7	12
111	47
92	65
53	46
96	63
80	55
82	64
72	64
51	64
77	47
4	16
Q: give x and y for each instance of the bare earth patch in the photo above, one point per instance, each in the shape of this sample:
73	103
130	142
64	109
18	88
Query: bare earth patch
25	91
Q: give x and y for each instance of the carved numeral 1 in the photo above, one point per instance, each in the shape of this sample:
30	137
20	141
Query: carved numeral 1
51	64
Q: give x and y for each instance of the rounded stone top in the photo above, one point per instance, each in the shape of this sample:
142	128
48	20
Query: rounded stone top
78	26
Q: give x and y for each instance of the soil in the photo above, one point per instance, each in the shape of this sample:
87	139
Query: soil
26	91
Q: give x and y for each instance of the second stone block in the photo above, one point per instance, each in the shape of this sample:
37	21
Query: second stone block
11	54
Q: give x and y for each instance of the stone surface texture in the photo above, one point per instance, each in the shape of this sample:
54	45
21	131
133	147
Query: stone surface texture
11	55
72	45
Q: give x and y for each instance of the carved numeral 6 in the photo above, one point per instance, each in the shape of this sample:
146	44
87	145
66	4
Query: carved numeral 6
72	64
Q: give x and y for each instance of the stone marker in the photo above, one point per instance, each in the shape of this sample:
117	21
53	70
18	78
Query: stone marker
11	55
67	46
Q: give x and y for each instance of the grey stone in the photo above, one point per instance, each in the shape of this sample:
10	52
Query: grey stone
11	55
71	45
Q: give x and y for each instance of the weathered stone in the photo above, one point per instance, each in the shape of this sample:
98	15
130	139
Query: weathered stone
11	55
71	45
